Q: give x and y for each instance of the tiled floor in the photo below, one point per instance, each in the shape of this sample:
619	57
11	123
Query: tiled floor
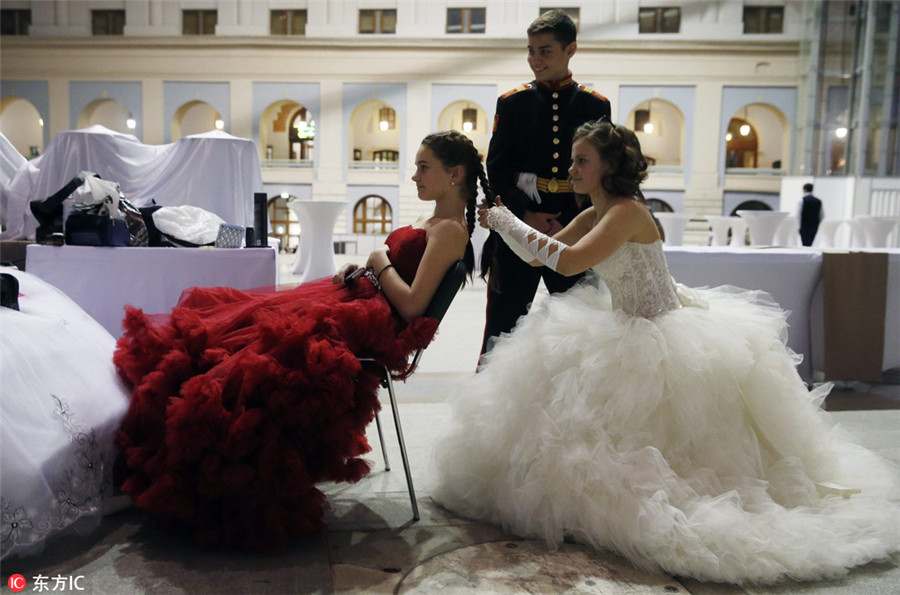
372	545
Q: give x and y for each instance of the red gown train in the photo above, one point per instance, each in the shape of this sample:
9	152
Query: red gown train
242	401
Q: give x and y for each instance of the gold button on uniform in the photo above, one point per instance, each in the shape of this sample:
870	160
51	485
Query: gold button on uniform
555	141
554	169
555	128
556	155
555	95
555	107
556	117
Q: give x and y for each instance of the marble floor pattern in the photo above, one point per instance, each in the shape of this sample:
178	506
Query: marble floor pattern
372	544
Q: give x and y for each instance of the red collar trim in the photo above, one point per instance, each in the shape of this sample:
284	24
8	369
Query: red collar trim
562	83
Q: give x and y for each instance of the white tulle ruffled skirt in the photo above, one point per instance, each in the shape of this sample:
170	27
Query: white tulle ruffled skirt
687	443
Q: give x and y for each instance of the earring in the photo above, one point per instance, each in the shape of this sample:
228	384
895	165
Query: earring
452	183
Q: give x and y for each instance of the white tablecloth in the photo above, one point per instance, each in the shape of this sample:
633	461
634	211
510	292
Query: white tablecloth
790	276
214	171
315	256
793	277
103	280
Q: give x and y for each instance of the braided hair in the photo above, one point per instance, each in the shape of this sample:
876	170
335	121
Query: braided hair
620	148
453	148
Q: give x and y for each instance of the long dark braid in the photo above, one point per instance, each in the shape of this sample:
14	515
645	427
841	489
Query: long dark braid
453	148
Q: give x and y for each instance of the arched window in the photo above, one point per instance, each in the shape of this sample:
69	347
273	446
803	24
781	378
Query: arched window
285	225
741	144
109	113
195	117
660	128
374	136
301	136
373	215
22	125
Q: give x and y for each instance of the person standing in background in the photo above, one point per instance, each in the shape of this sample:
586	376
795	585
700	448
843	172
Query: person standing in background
810	213
527	164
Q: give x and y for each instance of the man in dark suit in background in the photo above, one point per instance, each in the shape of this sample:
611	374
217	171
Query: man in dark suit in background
528	162
810	213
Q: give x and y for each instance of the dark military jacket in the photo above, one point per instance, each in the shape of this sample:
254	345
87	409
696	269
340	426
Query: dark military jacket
533	129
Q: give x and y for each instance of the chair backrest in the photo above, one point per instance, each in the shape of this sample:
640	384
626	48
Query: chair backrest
446	291
440	303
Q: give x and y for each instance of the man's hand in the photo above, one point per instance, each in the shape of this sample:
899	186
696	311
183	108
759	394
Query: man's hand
546	223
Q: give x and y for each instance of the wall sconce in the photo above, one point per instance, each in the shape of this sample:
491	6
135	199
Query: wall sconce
642	120
745	128
131	123
220	124
728	137
841	132
384	118
469	119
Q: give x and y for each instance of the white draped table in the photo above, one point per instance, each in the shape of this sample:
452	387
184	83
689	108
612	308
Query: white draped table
763	225
719	226
315	256
790	276
876	229
103	280
673	225
793	277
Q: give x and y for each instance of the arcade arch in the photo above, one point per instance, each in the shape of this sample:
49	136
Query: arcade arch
22	125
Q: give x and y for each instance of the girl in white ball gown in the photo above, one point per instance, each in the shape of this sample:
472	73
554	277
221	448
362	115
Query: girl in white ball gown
673	428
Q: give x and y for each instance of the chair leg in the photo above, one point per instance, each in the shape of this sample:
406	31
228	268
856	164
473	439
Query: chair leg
409	482
387	463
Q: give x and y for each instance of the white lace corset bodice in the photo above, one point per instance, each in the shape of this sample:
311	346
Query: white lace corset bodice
638	279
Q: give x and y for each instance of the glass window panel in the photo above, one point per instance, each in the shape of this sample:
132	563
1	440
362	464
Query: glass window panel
454	20
752	19
367	21
298	22
388	21
647	20
278	22
776	20
477	21
190	22
671	20
210	18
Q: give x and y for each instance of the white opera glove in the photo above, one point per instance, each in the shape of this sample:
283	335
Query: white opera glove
527	183
528	243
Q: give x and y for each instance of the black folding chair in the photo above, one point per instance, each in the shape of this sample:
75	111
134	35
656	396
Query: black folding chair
443	297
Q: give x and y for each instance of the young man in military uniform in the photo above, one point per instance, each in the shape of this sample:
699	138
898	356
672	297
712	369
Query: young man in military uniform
528	162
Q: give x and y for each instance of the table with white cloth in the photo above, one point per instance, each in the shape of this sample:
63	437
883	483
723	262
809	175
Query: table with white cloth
790	276
213	171
315	256
794	279
103	280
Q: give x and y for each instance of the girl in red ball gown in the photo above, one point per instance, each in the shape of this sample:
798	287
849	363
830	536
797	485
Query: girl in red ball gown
243	401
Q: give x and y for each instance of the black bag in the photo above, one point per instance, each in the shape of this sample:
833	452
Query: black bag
89	226
49	211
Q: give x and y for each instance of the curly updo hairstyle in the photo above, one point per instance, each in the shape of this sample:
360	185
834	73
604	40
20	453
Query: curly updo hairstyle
620	148
453	148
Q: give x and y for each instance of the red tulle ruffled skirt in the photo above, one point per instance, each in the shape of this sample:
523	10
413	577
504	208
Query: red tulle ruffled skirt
242	402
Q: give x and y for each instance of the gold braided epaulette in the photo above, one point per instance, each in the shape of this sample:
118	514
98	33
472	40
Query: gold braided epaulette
592	92
516	90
